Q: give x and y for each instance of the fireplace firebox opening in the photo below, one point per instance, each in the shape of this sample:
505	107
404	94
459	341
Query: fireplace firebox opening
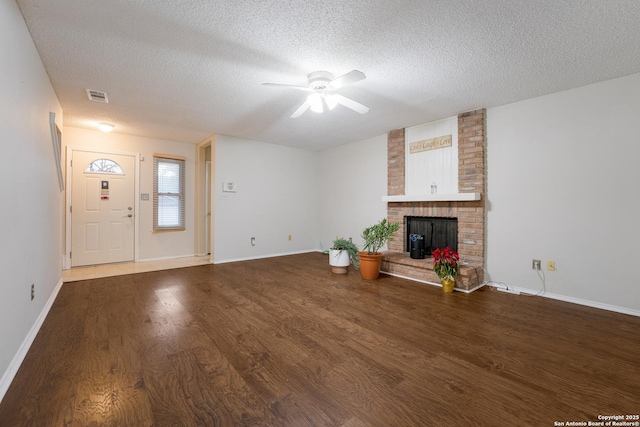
438	232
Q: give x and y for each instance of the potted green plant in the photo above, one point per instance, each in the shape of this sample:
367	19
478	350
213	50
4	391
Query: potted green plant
342	253
446	264
375	237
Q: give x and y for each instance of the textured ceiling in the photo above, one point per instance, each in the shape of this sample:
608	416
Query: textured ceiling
183	70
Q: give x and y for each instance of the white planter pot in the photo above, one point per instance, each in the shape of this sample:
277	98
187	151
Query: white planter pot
339	261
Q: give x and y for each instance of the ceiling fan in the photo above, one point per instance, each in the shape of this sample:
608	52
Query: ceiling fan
323	85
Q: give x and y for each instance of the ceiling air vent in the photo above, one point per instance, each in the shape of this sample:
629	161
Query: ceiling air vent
97	95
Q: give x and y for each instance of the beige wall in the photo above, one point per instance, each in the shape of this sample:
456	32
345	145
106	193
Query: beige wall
275	199
352	180
31	214
168	244
562	185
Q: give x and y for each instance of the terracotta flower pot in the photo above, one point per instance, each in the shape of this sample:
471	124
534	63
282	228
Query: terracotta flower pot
370	265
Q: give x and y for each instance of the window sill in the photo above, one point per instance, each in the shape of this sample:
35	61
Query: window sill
165	230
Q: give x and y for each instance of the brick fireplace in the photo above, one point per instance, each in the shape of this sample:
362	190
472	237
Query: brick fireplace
470	213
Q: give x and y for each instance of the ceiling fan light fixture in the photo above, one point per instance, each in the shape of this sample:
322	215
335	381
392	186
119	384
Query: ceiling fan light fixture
315	102
331	101
322	86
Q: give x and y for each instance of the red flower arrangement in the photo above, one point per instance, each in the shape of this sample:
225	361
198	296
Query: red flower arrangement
445	262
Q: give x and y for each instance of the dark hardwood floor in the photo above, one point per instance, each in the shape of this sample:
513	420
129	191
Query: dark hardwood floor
283	342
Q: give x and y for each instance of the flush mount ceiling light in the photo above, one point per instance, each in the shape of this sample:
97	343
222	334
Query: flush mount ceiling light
323	85
105	127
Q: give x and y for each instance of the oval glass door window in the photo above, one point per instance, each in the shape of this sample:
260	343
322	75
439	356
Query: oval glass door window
104	166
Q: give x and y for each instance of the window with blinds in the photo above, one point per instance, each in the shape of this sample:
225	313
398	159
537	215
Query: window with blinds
168	192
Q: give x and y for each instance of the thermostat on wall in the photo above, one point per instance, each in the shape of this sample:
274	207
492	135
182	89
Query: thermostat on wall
228	187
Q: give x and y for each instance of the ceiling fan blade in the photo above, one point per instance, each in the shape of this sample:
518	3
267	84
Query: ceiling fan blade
306	89
347	79
304	107
350	103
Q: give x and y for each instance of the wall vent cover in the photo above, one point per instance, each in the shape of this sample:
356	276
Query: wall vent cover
97	96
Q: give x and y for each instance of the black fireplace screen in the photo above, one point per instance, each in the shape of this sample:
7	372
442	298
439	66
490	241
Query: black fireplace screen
438	232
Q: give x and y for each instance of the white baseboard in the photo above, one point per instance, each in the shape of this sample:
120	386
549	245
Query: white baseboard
573	300
224	261
12	370
518	291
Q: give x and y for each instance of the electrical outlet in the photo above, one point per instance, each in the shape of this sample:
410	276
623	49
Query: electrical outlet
551	265
33	291
289	236
536	264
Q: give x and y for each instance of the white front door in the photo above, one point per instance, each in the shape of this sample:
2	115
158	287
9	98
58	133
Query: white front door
102	208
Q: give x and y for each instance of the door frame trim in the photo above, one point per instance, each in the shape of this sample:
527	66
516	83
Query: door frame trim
68	191
200	197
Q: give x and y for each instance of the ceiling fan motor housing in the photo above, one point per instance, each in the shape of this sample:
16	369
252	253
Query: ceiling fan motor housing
320	80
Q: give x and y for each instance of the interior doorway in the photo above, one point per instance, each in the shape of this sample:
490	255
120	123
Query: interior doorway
205	205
